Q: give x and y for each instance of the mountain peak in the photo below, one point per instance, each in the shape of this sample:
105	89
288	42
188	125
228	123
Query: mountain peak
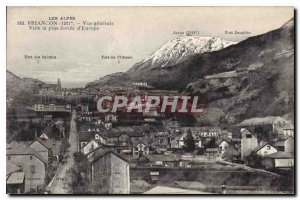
180	48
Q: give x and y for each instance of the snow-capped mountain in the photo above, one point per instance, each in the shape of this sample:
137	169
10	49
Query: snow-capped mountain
267	90
179	49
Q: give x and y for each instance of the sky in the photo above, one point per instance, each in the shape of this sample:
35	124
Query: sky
136	32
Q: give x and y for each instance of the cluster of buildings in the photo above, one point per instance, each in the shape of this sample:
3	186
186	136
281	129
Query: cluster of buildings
109	172
51	108
116	143
135	141
50	88
56	89
253	135
269	138
30	165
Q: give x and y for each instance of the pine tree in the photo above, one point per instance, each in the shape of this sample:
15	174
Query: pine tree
189	142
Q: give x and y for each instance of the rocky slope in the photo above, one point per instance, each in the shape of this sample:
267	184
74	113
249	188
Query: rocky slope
252	78
170	54
260	83
178	50
15	84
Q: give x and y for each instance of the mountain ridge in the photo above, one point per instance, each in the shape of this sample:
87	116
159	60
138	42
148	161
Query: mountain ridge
267	90
16	84
179	49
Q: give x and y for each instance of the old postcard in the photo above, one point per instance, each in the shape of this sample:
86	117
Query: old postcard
150	100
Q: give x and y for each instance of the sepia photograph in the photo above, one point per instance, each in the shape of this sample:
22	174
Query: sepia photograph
150	100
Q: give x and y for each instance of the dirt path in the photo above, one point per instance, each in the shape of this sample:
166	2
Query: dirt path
57	186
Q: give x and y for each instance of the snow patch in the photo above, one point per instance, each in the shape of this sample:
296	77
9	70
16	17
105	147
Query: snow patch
180	48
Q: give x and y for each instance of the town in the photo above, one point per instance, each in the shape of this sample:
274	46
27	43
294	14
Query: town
62	144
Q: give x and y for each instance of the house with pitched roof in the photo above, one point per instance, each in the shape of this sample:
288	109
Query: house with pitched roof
179	141
159	145
11	168
285	130
33	164
91	145
171	160
262	150
248	142
15	183
86	137
273	126
279	160
139	146
15	178
286	144
44	148
125	137
223	145
109	172
232	145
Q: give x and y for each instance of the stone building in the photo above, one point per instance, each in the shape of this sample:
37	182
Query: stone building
32	163
109	172
50	89
43	148
248	142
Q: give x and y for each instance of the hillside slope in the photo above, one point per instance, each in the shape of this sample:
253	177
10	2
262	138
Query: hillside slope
252	51
15	84
170	54
259	83
252	78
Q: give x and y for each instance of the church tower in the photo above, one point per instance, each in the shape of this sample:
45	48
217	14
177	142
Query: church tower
58	83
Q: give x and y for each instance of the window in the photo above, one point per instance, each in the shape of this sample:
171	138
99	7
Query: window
30	157
269	147
32	169
248	136
8	158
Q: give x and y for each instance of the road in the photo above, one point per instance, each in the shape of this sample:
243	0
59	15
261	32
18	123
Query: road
57	185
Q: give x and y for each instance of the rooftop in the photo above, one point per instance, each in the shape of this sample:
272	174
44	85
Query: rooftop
22	150
261	121
256	149
11	167
136	141
281	154
165	158
45	143
16	178
101	152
